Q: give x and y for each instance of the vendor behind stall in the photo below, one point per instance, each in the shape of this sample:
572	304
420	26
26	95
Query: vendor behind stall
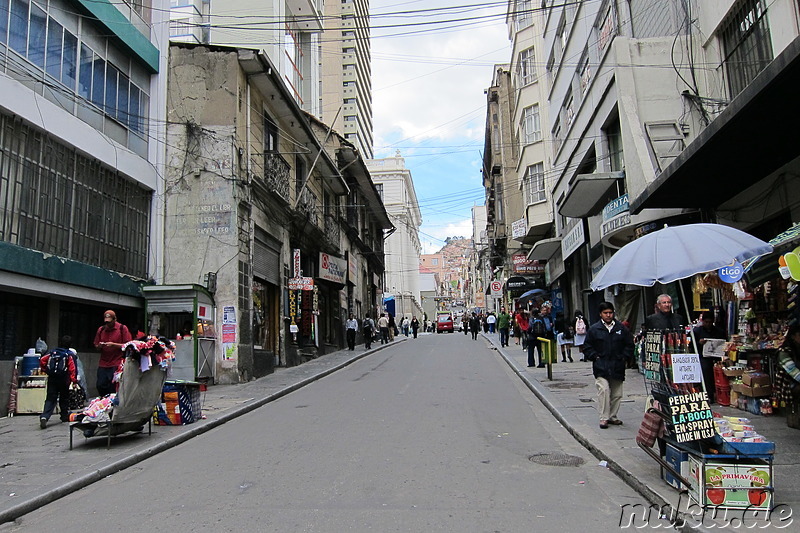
788	377
707	330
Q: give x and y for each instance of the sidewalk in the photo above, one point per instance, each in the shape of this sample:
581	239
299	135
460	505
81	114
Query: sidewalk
571	397
37	466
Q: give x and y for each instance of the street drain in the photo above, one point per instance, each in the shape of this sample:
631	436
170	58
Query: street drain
555	459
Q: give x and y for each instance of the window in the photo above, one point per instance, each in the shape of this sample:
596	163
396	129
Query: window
18	27
530	125
379	188
523	14
607	27
533	183
435	261
3	20
584	72
270	135
747	44
300	173
569	109
526	73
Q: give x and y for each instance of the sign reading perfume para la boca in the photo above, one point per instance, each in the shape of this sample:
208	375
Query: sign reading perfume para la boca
332	268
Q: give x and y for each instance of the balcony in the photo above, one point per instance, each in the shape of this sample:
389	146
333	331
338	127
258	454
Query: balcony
308	206
276	175
333	229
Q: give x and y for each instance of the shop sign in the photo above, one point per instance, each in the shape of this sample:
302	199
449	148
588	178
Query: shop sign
332	268
616	215
523	265
301	284
731	273
572	240
516	283
691	416
480	299
518	228
644	229
352	266
296	263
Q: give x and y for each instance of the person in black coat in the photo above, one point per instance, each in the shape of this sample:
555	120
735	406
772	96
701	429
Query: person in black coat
663	318
609	345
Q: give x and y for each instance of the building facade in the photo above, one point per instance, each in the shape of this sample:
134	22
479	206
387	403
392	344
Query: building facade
82	115
403	248
270	203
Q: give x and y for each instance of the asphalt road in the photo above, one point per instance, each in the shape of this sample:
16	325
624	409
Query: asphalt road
434	434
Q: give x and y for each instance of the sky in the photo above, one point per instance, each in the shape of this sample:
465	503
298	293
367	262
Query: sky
429	73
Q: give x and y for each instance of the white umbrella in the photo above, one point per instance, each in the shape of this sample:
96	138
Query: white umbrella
677	252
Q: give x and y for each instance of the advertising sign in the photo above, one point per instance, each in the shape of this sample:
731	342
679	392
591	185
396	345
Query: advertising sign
522	265
731	485
518	228
332	268
301	284
731	273
616	214
691	416
296	263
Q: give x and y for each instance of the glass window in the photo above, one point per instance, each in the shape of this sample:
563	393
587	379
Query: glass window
747	44
112	79
134	109
98	80
37	36
85	80
70	58
18	26
123	100
534	184
54	47
531	126
3	21
526	72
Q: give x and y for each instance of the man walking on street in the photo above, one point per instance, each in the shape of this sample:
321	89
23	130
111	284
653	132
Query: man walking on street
369	331
383	326
352	327
474	324
503	323
609	345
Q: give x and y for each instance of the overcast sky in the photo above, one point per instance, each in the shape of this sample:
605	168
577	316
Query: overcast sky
429	73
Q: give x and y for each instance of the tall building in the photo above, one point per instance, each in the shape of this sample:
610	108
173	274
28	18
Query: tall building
347	72
402	246
82	119
638	132
287	30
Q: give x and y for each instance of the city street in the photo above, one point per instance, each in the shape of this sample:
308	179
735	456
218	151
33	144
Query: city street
433	434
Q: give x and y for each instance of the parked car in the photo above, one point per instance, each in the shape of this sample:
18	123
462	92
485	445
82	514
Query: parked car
444	323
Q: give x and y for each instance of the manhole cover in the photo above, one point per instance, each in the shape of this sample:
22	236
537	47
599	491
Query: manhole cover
556	459
565	385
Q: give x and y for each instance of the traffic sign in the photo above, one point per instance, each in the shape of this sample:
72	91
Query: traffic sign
496	288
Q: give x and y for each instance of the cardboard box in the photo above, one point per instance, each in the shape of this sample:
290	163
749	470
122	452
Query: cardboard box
733	371
753	392
755	379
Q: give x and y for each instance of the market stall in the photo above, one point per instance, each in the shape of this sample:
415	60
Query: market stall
720	461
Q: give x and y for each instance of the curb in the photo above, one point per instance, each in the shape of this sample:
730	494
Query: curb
576	429
78	482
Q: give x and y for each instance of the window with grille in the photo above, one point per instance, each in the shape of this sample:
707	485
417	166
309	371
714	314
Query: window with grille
526	73
530	125
533	184
747	45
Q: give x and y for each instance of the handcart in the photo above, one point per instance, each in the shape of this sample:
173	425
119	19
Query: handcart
714	471
144	371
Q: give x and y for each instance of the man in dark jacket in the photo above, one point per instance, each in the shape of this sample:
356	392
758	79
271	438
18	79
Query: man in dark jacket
609	345
663	318
60	375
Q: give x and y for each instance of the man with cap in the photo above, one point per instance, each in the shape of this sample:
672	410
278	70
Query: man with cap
109	339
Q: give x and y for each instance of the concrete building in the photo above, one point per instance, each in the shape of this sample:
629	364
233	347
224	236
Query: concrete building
403	248
288	31
82	115
347	72
624	95
271	204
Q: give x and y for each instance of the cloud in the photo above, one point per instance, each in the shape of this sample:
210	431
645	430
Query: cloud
429	86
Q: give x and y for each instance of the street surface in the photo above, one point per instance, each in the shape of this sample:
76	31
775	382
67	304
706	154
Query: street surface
433	434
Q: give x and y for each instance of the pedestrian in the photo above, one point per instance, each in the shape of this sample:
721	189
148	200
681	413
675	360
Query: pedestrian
59	365
580	326
491	320
414	326
564	337
405	325
392	327
109	339
503	323
465	322
663	318
368	328
383	326
536	331
609	346
707	330
549	322
522	322
474	325
352	328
